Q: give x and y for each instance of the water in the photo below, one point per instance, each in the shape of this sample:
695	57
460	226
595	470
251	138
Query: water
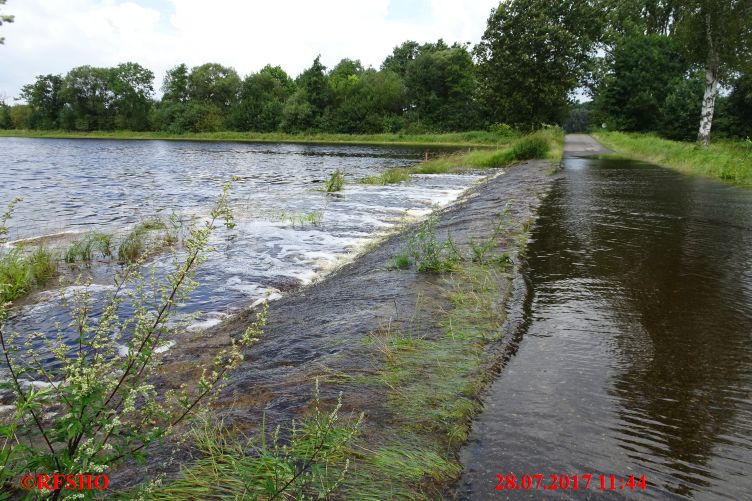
80	185
635	357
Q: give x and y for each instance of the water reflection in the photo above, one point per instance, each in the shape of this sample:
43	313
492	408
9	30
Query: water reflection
639	339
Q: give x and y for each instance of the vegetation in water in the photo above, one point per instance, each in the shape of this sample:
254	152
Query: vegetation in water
85	249
335	182
141	240
21	270
727	160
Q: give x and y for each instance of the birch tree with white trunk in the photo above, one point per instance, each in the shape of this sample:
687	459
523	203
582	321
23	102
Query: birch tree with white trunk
718	35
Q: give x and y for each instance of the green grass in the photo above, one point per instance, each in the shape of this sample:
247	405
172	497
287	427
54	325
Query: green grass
307	460
544	144
402	261
391	176
429	253
470	138
432	387
335	182
727	160
138	242
21	272
84	249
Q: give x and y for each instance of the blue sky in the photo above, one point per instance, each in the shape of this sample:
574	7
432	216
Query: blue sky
52	36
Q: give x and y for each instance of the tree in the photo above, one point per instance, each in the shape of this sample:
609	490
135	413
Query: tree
718	35
307	107
45	101
5	121
262	99
401	57
740	106
369	102
644	70
532	55
679	112
639	17
88	99
214	84
132	86
175	85
441	87
4	18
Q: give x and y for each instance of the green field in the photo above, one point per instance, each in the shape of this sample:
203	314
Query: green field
727	160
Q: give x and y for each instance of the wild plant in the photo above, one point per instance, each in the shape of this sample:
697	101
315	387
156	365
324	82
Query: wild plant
480	250
430	254
306	460
94	408
20	271
85	248
335	182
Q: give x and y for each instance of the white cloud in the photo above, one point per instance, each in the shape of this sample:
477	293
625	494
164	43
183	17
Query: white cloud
50	36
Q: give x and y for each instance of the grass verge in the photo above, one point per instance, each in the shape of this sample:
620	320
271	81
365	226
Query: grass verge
470	138
727	160
543	144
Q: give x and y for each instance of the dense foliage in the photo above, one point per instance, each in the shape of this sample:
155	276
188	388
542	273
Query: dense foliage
667	64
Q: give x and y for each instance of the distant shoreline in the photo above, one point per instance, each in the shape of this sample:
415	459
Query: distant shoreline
476	139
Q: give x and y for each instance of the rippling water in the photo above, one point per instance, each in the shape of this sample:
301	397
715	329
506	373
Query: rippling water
636	354
80	185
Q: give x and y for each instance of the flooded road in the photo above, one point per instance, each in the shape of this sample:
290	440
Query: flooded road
635	353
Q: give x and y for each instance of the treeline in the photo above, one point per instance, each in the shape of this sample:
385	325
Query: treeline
665	66
428	87
658	67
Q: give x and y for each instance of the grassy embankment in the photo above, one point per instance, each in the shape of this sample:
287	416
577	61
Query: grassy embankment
428	378
727	160
470	138
545	144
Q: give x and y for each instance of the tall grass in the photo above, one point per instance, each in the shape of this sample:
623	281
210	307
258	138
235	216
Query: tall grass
335	182
543	144
20	272
85	249
727	160
310	462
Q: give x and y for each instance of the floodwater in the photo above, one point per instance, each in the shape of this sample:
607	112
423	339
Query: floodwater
82	185
634	356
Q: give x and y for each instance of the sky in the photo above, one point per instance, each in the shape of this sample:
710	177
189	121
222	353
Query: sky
53	36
